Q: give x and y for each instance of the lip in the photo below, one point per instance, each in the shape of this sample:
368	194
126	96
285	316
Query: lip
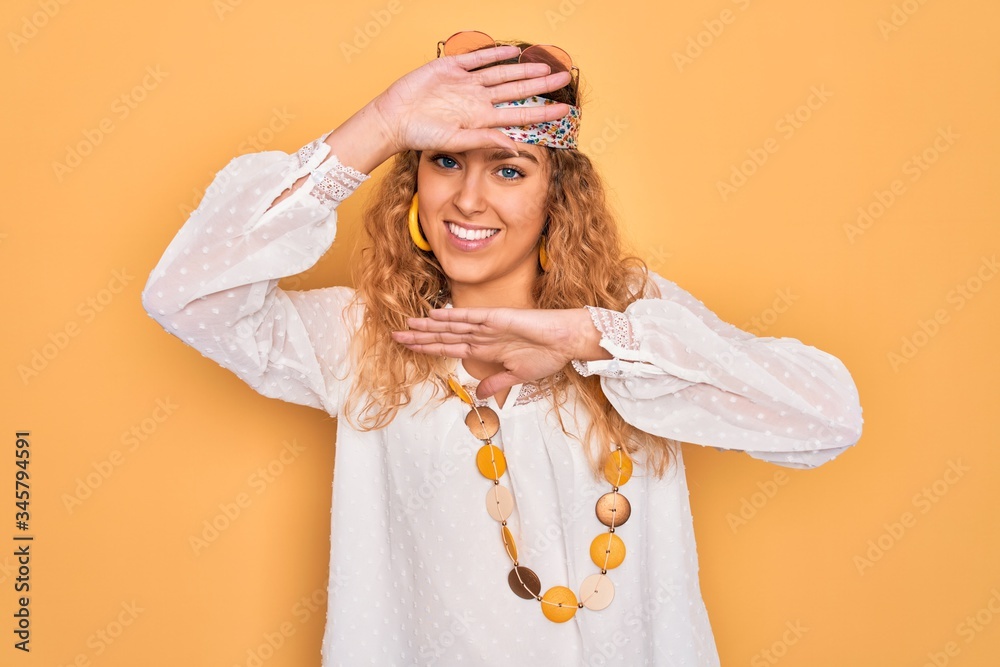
468	245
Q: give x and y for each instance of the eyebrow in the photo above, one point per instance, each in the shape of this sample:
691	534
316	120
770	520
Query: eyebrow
498	155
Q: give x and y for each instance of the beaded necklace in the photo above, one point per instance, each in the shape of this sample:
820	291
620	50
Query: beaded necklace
559	603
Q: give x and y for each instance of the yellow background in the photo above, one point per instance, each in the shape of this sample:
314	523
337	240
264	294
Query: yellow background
830	551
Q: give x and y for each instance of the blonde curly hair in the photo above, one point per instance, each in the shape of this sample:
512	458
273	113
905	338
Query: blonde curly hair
587	266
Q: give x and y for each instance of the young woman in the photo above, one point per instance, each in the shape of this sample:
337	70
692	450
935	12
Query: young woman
511	389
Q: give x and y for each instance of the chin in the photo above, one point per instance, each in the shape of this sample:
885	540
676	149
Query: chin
466	276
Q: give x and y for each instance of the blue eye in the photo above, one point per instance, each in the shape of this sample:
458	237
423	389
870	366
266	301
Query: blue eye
510	173
450	161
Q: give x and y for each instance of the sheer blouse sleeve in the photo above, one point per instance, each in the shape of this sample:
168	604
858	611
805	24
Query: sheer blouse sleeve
216	286
682	373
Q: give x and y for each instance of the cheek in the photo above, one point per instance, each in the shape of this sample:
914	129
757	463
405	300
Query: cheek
528	212
431	194
424	183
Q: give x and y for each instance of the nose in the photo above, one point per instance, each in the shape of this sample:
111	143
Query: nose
470	197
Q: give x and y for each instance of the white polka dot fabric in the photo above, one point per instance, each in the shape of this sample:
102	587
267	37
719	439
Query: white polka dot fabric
418	573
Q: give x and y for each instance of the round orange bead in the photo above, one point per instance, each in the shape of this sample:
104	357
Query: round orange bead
491	462
607	551
559	604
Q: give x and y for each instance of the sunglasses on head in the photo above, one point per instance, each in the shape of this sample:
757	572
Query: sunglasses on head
471	40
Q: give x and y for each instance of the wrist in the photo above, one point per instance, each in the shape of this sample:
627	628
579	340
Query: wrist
381	120
362	141
588	338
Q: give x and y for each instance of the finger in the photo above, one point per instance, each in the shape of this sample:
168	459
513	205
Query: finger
495	383
458	351
521	116
518	90
469	315
482	138
427	337
428	324
482	57
493	76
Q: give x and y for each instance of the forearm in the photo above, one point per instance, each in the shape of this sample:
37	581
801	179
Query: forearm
682	373
360	142
216	285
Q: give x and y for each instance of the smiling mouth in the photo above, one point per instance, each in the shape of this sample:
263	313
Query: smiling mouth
471	234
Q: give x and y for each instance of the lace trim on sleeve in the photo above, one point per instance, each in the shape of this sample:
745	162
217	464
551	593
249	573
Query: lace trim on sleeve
616	330
306	152
332	181
536	391
335	182
614	327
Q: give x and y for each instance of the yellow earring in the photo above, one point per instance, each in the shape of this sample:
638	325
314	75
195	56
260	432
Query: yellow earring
543	257
418	238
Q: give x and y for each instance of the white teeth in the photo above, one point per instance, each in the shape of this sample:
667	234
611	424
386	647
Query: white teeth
471	234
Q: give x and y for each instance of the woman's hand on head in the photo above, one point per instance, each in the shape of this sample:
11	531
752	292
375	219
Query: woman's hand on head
443	106
528	344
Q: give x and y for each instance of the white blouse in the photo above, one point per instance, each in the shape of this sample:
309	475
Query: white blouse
418	573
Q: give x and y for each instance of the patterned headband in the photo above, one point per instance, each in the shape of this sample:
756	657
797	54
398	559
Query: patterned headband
559	133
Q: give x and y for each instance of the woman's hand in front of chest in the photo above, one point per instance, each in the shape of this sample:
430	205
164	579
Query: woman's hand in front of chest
526	344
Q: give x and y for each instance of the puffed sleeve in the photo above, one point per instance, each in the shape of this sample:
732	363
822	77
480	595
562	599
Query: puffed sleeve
216	286
682	373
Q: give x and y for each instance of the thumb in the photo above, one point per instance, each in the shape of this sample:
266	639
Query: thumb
495	383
